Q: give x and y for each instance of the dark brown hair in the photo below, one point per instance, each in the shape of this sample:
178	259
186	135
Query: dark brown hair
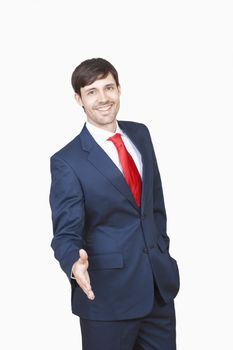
89	71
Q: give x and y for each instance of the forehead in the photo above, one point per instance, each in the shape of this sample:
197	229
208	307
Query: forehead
98	83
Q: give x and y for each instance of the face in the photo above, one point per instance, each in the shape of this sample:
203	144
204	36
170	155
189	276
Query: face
101	101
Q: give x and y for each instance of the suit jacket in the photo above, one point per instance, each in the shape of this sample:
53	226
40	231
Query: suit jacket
128	247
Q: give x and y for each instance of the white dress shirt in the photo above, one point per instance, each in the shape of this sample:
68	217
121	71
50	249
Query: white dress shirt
101	136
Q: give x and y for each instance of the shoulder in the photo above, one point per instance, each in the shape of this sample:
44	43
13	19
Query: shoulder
135	126
139	130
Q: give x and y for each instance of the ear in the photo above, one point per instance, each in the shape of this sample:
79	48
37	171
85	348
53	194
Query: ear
78	99
119	89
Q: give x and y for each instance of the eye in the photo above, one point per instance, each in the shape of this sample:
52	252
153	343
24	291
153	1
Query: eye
91	92
110	88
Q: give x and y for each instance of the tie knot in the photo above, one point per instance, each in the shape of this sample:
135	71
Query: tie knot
116	139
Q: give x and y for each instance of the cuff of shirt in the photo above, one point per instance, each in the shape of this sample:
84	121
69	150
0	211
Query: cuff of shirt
72	275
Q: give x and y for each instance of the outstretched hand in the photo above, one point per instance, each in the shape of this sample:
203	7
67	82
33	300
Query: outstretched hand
81	274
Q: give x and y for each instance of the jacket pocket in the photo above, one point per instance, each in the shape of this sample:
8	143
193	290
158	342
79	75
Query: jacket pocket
163	246
105	261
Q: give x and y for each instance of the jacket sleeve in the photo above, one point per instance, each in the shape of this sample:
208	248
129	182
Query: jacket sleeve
159	210
68	214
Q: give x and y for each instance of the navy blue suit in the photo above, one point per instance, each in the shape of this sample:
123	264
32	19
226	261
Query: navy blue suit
128	247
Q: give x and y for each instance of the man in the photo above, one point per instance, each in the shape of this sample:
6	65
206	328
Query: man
109	223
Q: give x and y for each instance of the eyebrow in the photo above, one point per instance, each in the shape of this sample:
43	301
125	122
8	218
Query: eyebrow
109	85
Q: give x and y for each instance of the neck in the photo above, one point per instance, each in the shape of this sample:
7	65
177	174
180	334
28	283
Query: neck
109	127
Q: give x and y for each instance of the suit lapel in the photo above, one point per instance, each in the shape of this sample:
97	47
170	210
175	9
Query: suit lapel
103	163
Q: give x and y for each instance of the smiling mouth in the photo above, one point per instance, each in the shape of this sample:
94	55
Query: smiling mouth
104	108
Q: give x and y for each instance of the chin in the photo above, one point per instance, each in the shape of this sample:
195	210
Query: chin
108	119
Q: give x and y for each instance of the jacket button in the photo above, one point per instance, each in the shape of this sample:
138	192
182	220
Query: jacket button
145	250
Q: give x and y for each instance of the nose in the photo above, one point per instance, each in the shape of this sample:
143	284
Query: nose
102	96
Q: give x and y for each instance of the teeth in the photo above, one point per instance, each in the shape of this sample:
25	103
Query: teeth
104	108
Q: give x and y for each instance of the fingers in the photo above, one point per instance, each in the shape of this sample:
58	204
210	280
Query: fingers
84	283
89	293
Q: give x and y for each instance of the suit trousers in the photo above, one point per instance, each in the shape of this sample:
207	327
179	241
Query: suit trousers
155	331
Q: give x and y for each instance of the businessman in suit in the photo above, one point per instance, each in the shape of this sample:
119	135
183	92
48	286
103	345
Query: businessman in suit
109	223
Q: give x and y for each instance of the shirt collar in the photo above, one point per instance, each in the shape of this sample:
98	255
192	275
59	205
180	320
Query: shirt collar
101	135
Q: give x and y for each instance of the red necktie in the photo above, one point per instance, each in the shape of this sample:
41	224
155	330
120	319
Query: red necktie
129	168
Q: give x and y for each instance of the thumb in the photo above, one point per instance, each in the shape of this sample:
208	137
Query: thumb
83	255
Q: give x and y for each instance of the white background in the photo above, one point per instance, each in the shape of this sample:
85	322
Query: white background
174	60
